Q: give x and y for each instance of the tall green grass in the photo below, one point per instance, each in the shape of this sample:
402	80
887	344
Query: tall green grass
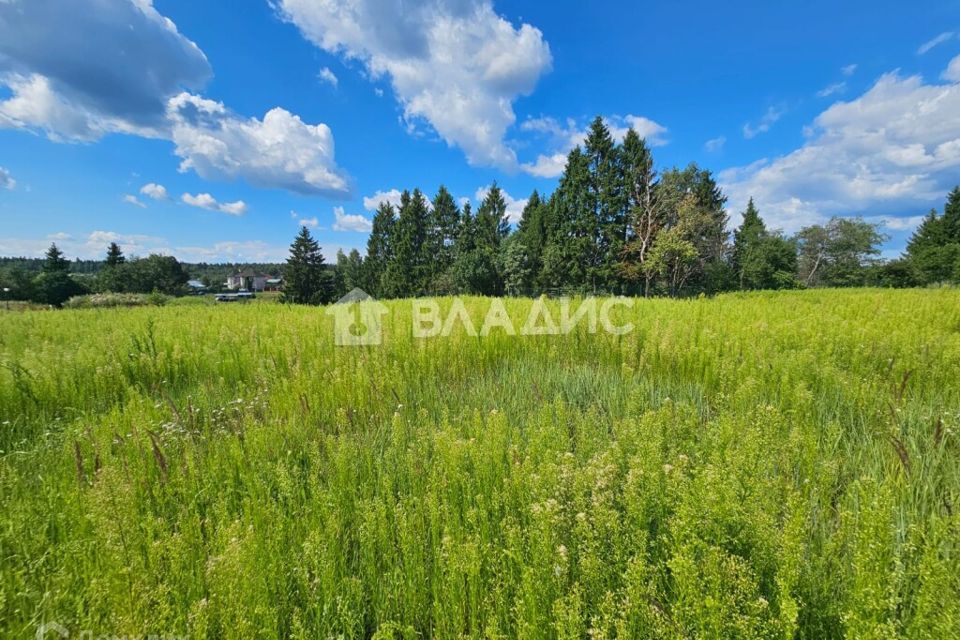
776	465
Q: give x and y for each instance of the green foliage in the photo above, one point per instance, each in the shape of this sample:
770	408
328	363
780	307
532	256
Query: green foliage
755	465
55	288
761	259
933	252
838	253
350	273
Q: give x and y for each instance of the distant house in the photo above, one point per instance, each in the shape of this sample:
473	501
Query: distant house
249	280
274	284
196	286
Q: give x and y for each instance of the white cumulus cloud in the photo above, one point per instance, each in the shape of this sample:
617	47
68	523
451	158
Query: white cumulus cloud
280	151
154	190
371	203
456	64
892	151
952	72
81	69
350	222
207	201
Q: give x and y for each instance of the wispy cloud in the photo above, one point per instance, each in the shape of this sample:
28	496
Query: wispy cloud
6	180
836	87
768	120
131	199
934	42
328	76
715	144
849	70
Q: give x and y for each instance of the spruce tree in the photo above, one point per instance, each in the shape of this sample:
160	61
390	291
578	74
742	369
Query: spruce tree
55	262
407	273
606	204
54	285
951	217
379	249
475	268
747	257
761	259
114	255
304	279
933	251
532	230
492	224
571	249
442	235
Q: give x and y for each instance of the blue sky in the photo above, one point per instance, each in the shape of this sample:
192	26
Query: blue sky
212	130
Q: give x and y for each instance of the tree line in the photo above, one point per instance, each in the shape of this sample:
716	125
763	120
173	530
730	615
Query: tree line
54	284
615	225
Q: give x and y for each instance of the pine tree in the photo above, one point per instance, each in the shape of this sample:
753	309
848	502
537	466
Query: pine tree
379	249
114	255
304	279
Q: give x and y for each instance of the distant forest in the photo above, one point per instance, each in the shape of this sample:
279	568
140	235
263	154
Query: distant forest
614	225
211	274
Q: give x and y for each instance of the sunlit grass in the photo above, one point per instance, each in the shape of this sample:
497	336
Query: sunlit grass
764	465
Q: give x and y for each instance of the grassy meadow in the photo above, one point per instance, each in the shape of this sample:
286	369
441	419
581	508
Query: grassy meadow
769	465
